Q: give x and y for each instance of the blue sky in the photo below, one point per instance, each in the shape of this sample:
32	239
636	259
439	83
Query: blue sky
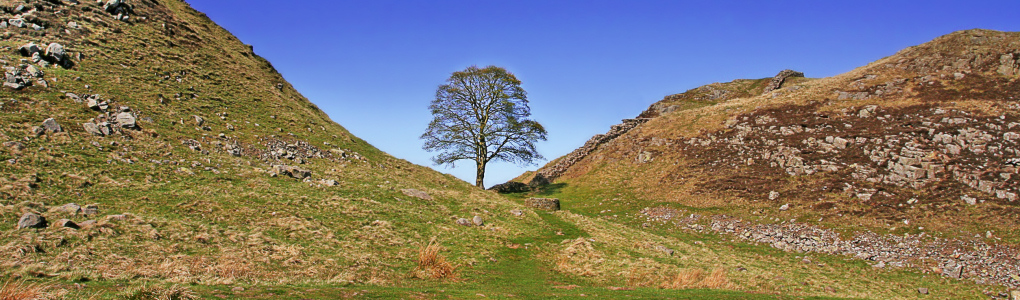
373	66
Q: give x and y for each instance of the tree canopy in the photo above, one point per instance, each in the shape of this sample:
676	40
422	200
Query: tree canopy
482	114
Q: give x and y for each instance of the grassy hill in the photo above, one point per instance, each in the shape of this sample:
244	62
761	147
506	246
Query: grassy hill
907	162
171	161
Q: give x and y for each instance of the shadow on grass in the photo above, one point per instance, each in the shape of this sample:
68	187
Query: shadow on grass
550	189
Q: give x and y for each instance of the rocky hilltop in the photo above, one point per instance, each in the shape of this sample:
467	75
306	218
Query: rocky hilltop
923	142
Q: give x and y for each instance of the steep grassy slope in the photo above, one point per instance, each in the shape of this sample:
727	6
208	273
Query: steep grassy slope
917	148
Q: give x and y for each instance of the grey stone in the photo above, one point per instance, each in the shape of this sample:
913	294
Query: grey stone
126	120
477	221
463	222
954	271
416	193
17	23
70	208
784	207
517	212
922	291
35	72
74	97
111	6
92	128
31	220
3	24
199	121
51	125
56	52
664	249
543	203
293	172
72	24
29	49
969	200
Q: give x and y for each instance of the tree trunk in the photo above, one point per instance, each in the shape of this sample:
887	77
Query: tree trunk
480	175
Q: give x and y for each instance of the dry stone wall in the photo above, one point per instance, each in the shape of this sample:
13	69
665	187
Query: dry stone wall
552	172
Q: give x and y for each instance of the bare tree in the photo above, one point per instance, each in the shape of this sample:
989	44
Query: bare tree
482	115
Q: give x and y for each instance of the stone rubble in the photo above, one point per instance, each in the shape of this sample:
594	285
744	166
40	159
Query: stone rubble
960	259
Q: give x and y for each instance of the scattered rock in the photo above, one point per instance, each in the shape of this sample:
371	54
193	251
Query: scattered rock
922	291
31	220
517	212
773	195
20	23
29	49
88	223
416	193
51	125
56	52
954	271
664	249
70	208
92	128
969	200
463	222
67	223
127	120
543	203
784	207
199	121
477	221
294	172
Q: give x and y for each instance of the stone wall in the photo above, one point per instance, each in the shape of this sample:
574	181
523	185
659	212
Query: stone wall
554	171
777	81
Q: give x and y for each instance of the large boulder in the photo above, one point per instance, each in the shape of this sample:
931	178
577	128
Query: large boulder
56	52
28	49
31	220
543	203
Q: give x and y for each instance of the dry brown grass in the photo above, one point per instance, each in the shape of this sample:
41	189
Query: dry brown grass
431	264
174	292
698	278
19	290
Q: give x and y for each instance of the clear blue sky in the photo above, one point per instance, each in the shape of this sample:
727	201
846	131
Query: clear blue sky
374	65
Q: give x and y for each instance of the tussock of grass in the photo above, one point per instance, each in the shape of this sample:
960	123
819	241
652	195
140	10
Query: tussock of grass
19	290
698	278
173	292
431	264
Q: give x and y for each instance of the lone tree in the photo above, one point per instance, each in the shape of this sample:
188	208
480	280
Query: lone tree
482	115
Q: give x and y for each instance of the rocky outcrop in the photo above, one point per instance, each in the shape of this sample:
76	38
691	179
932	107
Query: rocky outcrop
550	173
779	79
